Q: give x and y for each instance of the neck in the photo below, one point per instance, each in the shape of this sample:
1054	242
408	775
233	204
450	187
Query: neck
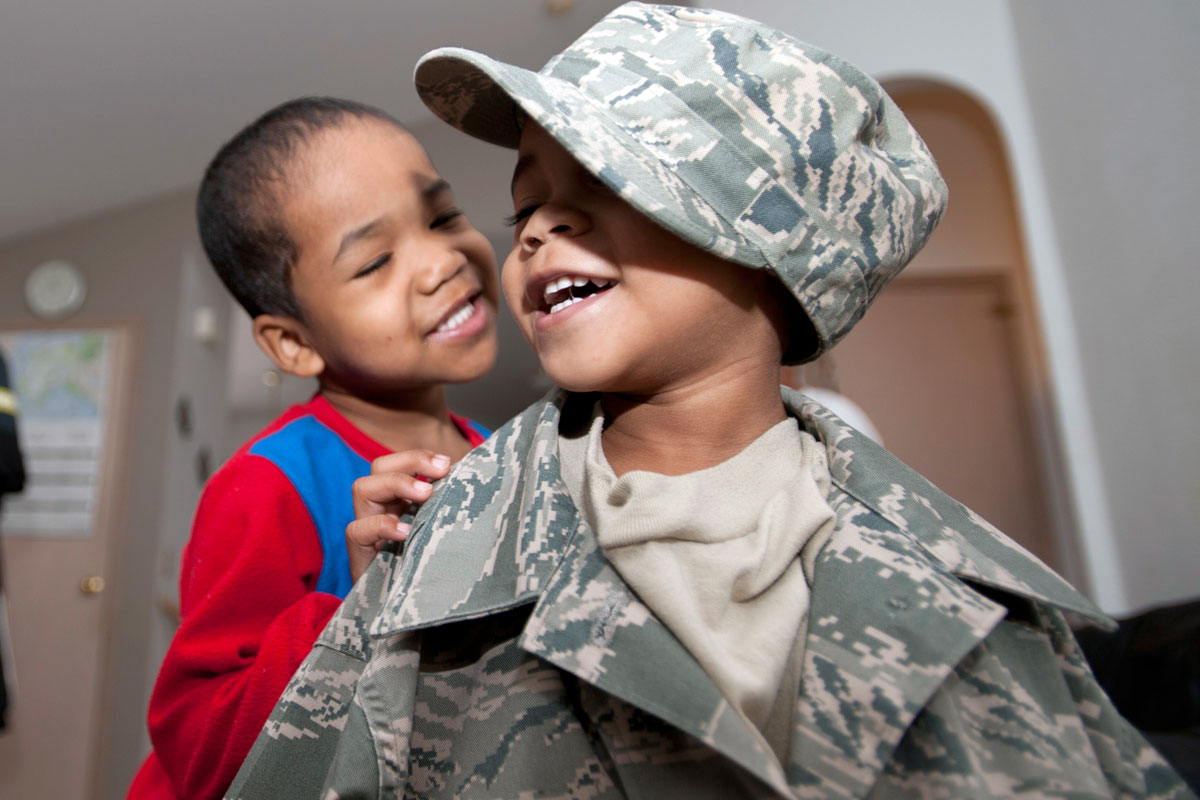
691	427
416	419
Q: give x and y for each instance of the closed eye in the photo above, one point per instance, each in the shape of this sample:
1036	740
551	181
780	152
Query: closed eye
378	263
521	215
445	218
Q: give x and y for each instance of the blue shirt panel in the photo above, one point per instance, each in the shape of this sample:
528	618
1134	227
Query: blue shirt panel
321	466
482	431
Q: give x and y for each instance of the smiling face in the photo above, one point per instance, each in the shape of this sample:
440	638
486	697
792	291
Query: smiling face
613	303
397	289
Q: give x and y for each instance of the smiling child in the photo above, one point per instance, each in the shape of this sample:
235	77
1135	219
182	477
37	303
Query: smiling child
327	221
668	578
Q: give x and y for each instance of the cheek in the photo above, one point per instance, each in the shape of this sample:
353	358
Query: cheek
512	280
482	254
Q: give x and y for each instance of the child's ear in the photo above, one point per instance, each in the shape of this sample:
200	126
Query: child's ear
285	340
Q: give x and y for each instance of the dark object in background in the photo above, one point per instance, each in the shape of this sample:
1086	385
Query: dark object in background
1150	667
12	479
12	467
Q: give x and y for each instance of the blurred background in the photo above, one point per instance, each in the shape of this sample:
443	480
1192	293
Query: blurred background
1040	361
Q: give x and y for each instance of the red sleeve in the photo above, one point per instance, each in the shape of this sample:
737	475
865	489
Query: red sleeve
249	617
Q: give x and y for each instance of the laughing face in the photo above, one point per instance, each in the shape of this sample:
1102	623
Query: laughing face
610	301
398	290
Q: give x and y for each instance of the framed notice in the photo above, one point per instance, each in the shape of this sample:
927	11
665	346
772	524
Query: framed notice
64	384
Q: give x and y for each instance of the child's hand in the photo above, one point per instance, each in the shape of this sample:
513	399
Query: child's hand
380	498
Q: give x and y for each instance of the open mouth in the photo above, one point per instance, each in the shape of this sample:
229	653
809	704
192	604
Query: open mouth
568	290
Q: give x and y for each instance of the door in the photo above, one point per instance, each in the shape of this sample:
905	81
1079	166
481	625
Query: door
934	364
56	537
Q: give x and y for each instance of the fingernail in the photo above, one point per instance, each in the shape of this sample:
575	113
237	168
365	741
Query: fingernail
424	487
403	528
441	462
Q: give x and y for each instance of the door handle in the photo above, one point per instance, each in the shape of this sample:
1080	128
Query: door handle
91	584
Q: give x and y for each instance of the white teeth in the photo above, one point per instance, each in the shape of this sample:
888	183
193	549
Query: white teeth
460	316
558	285
568	302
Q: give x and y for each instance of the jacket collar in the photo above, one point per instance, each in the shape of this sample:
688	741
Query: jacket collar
893	609
960	540
493	534
891	612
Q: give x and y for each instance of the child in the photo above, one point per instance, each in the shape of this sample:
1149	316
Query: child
328	223
667	580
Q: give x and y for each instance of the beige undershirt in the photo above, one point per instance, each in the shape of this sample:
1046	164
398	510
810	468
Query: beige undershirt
723	556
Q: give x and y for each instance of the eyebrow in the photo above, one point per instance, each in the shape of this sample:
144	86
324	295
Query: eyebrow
357	235
434	188
428	193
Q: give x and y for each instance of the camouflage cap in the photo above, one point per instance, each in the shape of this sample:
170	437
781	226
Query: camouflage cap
739	138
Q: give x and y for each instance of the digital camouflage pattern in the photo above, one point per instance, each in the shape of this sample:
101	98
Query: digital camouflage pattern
739	138
501	656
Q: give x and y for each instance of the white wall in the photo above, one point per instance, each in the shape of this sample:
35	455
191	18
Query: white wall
977	47
193	441
1116	107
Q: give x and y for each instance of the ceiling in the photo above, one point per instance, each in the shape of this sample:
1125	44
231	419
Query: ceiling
105	104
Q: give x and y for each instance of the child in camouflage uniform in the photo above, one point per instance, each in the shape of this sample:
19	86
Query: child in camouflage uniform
666	579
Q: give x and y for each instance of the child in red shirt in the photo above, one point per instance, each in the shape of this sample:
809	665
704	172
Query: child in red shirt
328	223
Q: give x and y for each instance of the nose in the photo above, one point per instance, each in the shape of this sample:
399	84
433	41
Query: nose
551	220
438	263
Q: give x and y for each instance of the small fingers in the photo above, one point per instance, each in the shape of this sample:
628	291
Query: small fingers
413	462
365	537
368	531
388	493
396	482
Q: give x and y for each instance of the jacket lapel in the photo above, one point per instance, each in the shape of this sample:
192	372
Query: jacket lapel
493	535
892	610
886	627
590	624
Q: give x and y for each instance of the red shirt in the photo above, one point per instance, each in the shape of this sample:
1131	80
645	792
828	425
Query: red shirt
250	612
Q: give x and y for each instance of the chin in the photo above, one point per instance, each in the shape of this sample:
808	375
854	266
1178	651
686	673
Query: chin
475	368
584	370
577	388
580	383
572	380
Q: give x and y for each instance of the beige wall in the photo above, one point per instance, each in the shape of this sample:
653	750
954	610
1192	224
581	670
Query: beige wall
131	259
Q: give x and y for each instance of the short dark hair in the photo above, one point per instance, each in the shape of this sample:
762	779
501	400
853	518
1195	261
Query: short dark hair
237	206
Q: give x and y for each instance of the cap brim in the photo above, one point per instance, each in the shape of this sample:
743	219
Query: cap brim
458	86
484	98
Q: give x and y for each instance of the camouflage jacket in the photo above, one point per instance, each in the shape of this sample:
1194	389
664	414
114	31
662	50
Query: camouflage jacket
502	656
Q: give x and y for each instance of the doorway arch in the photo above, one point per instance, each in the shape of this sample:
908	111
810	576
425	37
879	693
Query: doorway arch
950	364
